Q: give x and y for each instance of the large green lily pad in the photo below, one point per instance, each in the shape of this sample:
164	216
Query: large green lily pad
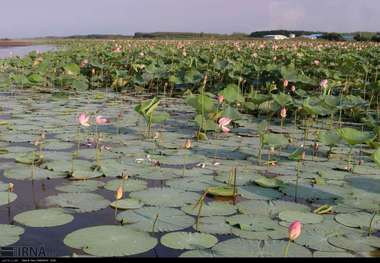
110	241
188	240
10	234
164	219
165	197
44	218
238	247
7	198
78	202
211	209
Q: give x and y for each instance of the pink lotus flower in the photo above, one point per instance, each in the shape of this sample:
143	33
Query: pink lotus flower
324	83
84	119
223	122
220	99
286	83
100	120
317	62
294	230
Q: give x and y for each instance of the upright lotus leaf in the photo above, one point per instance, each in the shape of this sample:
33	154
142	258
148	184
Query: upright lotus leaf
156	219
329	138
376	157
78	202
198	102
275	140
282	99
6	198
110	241
50	217
10	234
238	247
314	106
72	69
232	94
205	124
188	240
353	136
167	197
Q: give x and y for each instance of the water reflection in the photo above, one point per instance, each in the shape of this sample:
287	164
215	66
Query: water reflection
6	52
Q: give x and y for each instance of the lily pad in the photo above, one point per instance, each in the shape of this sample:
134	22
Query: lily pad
165	197
78	202
128	203
43	218
6	198
356	243
130	185
110	241
10	234
303	217
25	173
238	247
164	219
211	209
188	240
358	220
213	225
80	186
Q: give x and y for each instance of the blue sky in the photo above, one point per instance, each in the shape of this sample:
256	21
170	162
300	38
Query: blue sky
31	18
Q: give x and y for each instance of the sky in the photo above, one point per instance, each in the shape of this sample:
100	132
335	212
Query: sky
38	18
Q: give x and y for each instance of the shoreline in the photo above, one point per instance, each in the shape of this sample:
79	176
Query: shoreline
15	43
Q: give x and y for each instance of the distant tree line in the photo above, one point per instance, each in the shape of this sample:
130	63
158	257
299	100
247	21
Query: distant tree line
298	33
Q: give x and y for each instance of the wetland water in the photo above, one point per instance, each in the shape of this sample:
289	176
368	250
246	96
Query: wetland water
262	209
9	51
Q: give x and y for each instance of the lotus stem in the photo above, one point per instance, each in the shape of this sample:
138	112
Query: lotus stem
33	165
287	249
155	221
78	141
234	185
298	174
371	222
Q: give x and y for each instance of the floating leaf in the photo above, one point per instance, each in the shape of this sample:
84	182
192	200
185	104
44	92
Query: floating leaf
238	247
78	202
129	185
43	218
211	209
187	240
80	186
10	234
6	198
169	219
303	217
165	197
128	203
110	241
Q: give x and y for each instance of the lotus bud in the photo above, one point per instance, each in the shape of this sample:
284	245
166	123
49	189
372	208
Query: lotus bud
283	113
220	99
324	83
11	187
119	193
293	89
294	230
188	144
286	83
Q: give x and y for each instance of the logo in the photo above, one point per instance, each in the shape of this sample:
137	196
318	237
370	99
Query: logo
26	251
